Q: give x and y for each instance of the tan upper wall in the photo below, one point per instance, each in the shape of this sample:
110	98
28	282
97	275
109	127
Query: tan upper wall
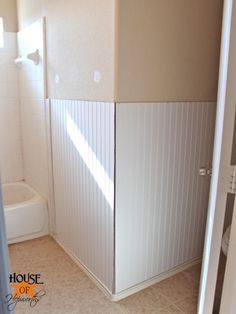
8	13
168	50
145	50
80	41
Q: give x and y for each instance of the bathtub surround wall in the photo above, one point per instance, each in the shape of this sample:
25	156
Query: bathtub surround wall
32	85
80	46
83	167
23	145
11	165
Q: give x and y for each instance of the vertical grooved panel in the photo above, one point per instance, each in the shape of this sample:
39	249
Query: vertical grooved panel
83	167
161	201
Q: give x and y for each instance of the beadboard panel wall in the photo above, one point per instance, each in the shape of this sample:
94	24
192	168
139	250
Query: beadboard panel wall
83	168
161	201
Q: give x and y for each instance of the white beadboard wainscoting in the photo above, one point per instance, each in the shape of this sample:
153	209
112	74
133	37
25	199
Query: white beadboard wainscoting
83	169
161	201
150	190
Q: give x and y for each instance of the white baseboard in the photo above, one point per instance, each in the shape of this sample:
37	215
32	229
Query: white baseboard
125	293
152	281
97	282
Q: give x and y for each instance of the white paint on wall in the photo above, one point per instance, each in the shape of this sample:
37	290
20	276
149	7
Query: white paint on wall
161	201
83	168
11	166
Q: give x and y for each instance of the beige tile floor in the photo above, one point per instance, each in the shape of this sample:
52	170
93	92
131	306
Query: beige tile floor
69	290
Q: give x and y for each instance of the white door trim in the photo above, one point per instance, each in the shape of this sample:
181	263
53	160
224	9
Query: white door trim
221	161
4	268
228	303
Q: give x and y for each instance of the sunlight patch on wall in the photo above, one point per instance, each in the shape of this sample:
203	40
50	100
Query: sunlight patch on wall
88	156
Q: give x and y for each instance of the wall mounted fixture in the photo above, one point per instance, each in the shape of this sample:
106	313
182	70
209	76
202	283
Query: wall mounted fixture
33	56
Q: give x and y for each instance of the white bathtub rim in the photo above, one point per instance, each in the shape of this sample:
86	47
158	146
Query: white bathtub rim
34	200
16	213
37	198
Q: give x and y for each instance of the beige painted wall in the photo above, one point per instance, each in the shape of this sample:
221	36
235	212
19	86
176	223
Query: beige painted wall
80	41
155	50
168	50
8	13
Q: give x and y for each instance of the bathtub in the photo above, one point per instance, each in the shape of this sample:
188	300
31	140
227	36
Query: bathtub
26	214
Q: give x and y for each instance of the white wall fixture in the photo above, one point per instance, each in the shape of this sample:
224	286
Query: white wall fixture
19	61
33	56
